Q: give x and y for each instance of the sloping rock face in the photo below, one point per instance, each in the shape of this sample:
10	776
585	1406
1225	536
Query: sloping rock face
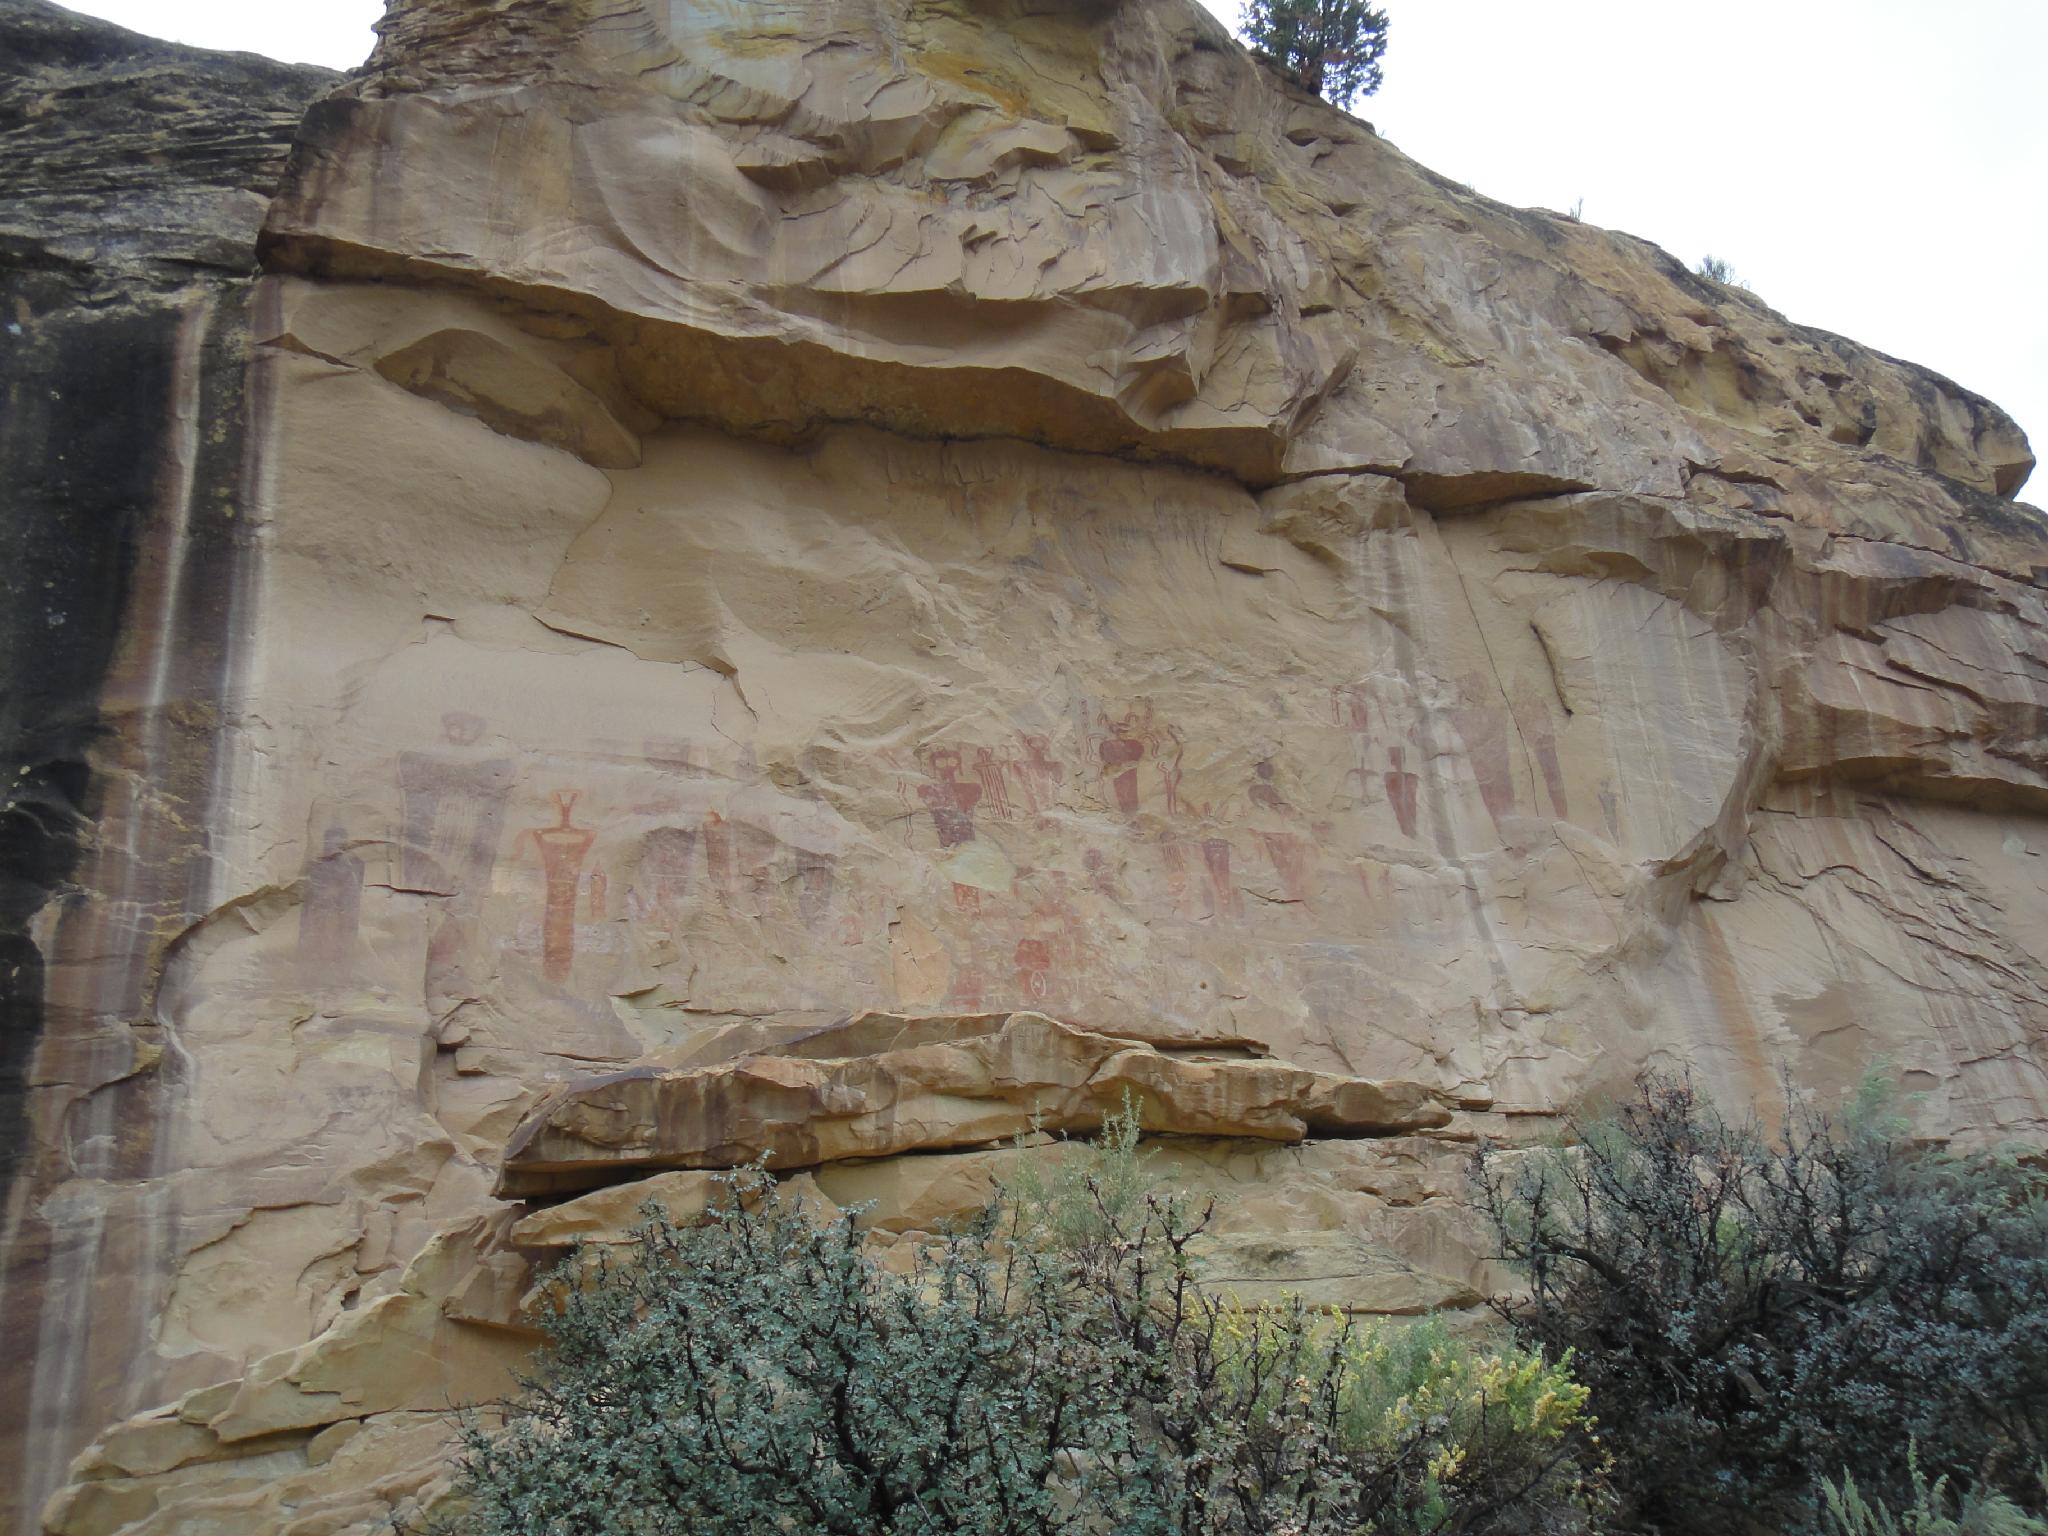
716	520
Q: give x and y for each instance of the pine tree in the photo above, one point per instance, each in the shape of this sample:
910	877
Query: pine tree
1333	47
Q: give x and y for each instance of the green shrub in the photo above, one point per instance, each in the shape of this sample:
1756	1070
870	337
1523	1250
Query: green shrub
1716	270
1053	1368
1494	1419
1760	1311
1976	1512
1333	47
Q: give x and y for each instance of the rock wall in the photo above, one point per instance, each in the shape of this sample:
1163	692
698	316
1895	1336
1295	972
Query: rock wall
997	521
133	178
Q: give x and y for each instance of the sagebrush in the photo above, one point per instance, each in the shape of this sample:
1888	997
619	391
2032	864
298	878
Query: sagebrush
1767	1311
1055	1367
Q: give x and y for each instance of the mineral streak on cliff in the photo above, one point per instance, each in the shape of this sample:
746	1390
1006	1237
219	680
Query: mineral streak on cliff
814	577
133	178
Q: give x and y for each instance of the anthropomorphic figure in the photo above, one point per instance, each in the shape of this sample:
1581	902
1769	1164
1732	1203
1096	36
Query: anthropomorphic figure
949	798
563	848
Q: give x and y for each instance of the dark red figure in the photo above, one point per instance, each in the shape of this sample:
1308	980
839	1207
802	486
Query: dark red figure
562	850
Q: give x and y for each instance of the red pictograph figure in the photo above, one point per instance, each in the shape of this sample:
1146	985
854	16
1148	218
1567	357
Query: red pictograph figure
1352	708
816	874
1294	861
969	988
813	837
1293	856
1121	751
989	769
332	907
951	799
1041	772
1532	719
1264	792
563	848
451	815
667	867
1033	960
718	854
757	865
1401	786
1168	757
1216	855
453	805
1102	875
1175	855
1484	727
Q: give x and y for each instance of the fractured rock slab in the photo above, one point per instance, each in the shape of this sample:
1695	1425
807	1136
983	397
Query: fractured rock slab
911	1084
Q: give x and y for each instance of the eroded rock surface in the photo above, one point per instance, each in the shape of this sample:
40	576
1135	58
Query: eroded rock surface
133	178
714	521
883	1084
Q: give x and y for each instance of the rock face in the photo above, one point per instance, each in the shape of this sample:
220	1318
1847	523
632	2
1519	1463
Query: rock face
133	178
881	1084
713	521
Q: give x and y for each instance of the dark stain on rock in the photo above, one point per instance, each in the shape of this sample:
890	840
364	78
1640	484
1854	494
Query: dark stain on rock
86	399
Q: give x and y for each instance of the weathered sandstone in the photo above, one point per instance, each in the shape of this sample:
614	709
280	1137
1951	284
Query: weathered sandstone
692	523
883	1084
330	1436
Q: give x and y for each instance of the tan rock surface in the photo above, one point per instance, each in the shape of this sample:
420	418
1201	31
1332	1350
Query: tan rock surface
608	1215
711	524
883	1084
1376	1226
332	1436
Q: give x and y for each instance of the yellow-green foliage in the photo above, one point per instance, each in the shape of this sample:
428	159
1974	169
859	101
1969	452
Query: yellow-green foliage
1074	1197
1411	1392
1425	1429
1400	1377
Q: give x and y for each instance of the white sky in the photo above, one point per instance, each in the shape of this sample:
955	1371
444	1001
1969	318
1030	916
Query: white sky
1874	167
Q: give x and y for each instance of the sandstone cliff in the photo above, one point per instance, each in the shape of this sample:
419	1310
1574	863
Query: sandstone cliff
818	578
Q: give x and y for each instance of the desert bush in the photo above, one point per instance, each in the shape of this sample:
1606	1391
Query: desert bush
1764	1311
1932	1512
1717	270
1054	1367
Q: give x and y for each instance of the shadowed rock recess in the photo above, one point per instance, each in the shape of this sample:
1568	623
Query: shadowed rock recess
825	580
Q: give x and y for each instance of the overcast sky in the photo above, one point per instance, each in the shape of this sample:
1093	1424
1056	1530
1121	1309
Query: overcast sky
1875	167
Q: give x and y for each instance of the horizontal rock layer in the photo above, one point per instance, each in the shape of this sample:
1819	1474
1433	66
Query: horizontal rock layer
881	1084
714	521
